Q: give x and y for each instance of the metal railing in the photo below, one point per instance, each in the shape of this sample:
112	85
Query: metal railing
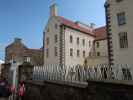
83	73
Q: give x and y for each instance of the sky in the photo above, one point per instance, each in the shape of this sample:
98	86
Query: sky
26	19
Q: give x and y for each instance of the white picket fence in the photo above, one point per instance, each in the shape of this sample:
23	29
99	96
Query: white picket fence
83	73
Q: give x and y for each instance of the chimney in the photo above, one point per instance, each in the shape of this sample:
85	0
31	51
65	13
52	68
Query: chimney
17	40
92	25
53	10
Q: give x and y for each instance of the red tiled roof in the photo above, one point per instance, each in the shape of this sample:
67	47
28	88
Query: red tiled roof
100	33
73	25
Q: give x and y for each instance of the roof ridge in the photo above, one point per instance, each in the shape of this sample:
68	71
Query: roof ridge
73	25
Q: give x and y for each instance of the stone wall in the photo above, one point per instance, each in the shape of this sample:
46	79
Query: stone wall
19	52
93	90
5	70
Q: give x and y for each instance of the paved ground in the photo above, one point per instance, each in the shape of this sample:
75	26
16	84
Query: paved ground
3	98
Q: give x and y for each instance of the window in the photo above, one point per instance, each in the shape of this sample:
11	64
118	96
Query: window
71	52
47	29
55	51
77	40
98	53
89	43
83	53
78	53
119	0
71	39
90	54
123	40
47	53
56	26
83	42
47	40
97	44
56	38
27	59
121	18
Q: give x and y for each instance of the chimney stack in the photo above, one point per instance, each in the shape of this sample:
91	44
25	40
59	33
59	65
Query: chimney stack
92	25
53	9
17	40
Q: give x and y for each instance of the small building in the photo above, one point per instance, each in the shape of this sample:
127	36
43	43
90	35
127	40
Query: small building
99	53
18	52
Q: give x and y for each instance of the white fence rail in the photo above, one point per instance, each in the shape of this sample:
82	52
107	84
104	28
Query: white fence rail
83	73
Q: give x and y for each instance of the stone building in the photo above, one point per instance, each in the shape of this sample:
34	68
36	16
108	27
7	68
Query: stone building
1	62
119	31
99	53
67	42
19	52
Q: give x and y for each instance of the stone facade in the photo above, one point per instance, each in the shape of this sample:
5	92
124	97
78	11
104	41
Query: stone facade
5	70
1	62
19	52
119	27
99	53
67	42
